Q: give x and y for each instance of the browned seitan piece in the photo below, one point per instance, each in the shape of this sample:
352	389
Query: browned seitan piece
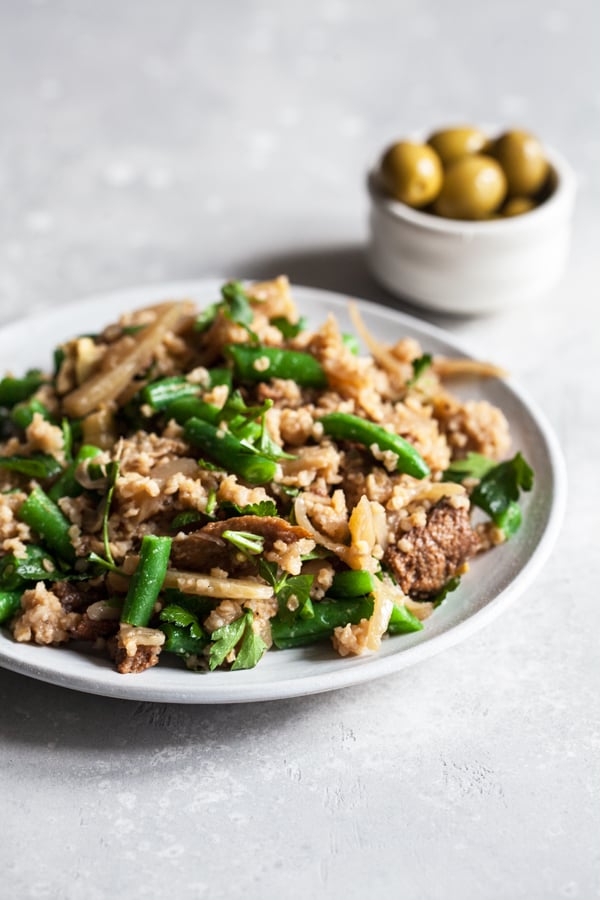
75	596
78	596
434	553
144	658
205	549
88	629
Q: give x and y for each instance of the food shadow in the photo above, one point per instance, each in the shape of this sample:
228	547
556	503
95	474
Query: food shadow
35	714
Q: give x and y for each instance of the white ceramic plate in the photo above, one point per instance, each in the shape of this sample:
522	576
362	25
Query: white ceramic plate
494	581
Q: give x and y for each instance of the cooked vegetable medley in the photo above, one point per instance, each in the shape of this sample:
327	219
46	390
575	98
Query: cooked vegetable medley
211	484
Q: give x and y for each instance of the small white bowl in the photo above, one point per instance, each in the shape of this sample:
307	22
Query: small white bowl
463	267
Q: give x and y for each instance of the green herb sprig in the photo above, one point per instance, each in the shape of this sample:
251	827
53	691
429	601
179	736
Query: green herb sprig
499	488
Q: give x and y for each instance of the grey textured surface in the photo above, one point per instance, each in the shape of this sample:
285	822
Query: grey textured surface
146	141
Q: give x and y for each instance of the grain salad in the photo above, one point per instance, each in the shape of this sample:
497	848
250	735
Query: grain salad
210	484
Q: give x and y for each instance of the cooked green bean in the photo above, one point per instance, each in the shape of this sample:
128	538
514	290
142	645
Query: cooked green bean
186	408
38	465
10	603
14	390
22	414
402	621
68	485
351	583
224	449
45	517
147	580
159	394
346	427
264	363
328	614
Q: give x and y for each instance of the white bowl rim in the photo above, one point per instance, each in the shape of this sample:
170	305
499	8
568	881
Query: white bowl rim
563	193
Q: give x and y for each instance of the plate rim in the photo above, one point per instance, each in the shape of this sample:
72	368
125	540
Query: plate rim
112	685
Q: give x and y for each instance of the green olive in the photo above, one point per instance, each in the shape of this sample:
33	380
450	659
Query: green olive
412	173
522	157
450	143
474	187
516	206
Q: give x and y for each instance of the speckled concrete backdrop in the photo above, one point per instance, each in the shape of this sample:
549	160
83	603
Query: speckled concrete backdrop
146	140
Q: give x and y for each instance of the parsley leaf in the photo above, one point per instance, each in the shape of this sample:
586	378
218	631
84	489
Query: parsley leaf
267	446
317	553
474	466
236	303
235	306
499	486
36	565
287	586
451	585
224	640
295	588
205	319
420	365
177	615
270	573
288	490
244	422
199	606
252	647
235	406
498	491
195	516
289	329
189	517
262	508
351	343
248	425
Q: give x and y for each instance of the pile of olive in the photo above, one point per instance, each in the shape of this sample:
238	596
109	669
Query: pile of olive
461	173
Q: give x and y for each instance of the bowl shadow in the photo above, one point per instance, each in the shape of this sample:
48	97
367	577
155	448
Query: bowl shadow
341	268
